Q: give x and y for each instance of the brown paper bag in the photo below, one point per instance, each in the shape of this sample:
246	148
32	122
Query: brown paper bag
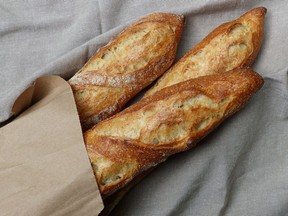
44	167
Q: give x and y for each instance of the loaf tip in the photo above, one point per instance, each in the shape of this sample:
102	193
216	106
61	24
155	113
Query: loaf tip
263	10
260	10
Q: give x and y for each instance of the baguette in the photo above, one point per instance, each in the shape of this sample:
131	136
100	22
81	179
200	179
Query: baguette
129	63
172	120
233	44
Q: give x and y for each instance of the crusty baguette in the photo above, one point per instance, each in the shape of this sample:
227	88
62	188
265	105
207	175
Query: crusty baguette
172	120
118	71
231	45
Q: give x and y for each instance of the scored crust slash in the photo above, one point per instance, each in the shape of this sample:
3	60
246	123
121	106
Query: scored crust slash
169	121
233	44
126	65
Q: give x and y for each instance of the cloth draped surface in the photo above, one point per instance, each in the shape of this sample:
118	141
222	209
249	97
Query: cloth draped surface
238	169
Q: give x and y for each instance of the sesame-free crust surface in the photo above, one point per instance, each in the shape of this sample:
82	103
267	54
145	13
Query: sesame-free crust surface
126	65
172	120
232	44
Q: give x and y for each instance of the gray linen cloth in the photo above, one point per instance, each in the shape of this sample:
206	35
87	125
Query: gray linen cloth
241	168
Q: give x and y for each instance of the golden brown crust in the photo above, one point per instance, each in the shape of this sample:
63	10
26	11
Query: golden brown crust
129	63
233	44
172	120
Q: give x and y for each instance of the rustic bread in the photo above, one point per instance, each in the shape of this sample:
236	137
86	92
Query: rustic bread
118	71
172	120
231	45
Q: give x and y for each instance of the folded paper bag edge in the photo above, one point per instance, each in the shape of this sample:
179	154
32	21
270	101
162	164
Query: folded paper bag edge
23	101
35	92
